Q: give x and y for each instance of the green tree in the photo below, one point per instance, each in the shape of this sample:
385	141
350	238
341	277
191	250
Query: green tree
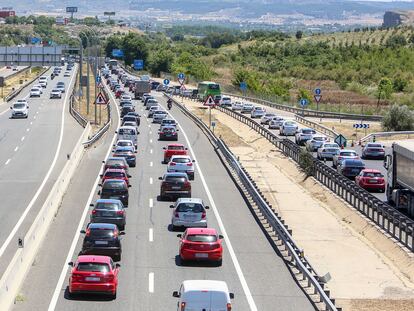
304	94
134	47
398	118
113	42
395	41
160	61
385	88
299	34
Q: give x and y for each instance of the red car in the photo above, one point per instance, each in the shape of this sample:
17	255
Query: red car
201	244
119	93
173	149
371	180
115	173
94	274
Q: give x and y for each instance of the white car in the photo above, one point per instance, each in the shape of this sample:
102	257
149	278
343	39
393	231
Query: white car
66	74
204	295
144	96
151	103
257	112
19	110
126	97
288	128
316	142
303	135
181	164
328	151
152	110
225	101
247	108
35	92
276	122
158	116
55	93
236	106
124	143
267	117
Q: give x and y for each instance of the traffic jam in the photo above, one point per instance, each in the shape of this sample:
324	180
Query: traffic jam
96	269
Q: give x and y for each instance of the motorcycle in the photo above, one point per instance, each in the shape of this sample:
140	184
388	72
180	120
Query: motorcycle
169	104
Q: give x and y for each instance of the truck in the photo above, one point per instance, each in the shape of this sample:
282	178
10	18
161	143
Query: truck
142	87
400	177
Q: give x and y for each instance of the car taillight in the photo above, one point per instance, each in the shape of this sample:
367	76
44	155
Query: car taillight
229	307
76	277
339	158
109	277
190	164
187	185
120	212
183	306
88	232
94	212
172	164
203	215
214	246
116	233
177	215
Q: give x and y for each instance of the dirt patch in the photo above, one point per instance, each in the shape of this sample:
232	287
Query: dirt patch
18	80
345	127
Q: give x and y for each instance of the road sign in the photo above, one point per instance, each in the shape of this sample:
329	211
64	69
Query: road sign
318	91
181	76
209	101
71	9
361	126
317	98
166	81
243	86
100	85
181	81
100	99
213	123
36	40
98	79
138	64
182	87
303	102
117	53
340	140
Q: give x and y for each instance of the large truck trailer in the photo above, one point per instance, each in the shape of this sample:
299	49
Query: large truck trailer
142	87
400	176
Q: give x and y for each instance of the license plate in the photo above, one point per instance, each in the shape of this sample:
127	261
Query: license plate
372	181
201	255
189	216
101	242
107	214
175	188
92	279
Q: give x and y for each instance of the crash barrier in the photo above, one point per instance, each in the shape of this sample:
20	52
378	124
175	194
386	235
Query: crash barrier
397	225
24	85
22	260
374	136
316	126
72	110
308	112
297	258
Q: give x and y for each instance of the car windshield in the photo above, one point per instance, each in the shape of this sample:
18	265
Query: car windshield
348	154
175	148
107	206
126	131
93	267
331	146
201	238
101	233
124	143
114	185
308	132
290	123
373	174
319	138
115	163
35	89
181	160
178	179
19	106
168	121
374	146
56	91
190	207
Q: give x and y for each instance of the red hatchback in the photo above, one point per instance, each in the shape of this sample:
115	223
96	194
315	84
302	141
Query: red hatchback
371	180
115	173
173	149
201	244
94	274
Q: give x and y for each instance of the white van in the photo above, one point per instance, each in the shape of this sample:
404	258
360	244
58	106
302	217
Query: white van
128	133
199	295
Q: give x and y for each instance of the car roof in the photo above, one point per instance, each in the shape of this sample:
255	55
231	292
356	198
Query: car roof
128	127
191	285
101	225
94	258
206	231
189	200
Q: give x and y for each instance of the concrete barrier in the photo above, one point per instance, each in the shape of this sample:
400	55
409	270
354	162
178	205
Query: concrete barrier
16	271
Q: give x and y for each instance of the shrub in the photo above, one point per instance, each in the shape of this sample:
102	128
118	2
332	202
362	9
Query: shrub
398	118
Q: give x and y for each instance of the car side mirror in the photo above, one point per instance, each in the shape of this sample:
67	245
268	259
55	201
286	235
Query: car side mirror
164	148
206	207
70	263
160	178
103	162
231	295
116	132
100	185
122	233
171	206
11	108
101	177
177	130
83	231
99	192
135	151
176	294
193	161
221	237
129	186
186	148
92	204
179	235
129	176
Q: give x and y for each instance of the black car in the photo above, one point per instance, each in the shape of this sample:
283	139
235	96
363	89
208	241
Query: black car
154	85
102	239
127	154
168	132
147	99
350	167
115	189
109	211
130	118
126	109
174	185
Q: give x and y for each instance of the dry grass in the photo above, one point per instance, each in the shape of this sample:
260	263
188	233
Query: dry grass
346	128
16	81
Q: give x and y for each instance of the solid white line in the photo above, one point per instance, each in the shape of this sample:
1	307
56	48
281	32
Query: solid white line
148	124
17	148
151	180
58	288
151	203
151	282
51	167
151	164
151	235
233	256
7	162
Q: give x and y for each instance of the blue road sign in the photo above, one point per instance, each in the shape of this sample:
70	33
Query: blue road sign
117	53
243	86
36	40
98	79
361	126
166	81
181	75
138	64
318	91
303	102
340	140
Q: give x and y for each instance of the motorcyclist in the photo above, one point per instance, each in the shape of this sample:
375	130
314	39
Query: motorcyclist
169	104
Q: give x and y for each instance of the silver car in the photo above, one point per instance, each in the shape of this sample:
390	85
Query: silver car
303	135
276	122
152	110
247	108
182	164
288	128
316	142
344	154
236	106
328	151
257	112
267	117
189	212
158	116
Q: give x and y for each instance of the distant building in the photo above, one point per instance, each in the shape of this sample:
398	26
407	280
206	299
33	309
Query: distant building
7	13
59	20
396	18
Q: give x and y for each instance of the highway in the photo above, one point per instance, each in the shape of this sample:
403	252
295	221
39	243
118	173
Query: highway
150	268
34	150
5	72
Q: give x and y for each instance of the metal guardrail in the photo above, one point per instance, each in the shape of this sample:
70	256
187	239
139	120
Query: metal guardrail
385	134
309	112
294	252
23	86
72	110
397	225
316	126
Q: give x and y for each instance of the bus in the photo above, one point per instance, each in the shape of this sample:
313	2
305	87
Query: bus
207	88
113	64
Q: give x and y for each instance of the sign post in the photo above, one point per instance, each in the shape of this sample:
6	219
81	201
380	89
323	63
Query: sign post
181	80
340	140
303	103
317	96
100	100
243	87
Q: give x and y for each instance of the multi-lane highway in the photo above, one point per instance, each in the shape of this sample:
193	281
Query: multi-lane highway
34	150
5	72
150	267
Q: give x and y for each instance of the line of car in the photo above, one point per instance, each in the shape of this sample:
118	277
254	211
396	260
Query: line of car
95	269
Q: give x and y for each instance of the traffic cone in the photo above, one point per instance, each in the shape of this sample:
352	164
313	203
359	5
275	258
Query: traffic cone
342	146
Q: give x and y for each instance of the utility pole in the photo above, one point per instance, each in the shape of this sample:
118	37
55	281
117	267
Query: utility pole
87	74
80	69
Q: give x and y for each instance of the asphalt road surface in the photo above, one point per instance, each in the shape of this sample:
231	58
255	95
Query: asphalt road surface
150	268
